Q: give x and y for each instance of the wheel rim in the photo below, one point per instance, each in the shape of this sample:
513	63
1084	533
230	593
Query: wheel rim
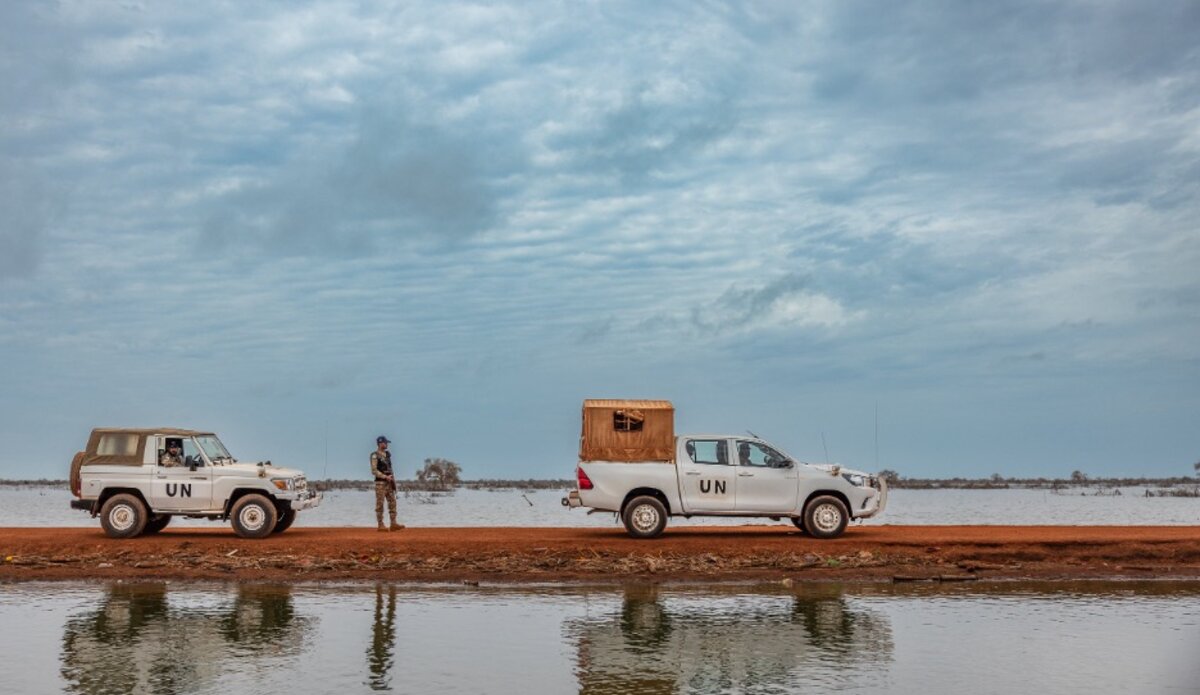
252	517
827	517
122	517
645	518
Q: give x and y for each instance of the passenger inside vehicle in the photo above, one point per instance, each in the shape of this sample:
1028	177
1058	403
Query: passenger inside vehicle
171	455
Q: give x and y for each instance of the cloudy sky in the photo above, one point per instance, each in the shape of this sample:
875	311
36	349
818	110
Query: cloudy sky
302	225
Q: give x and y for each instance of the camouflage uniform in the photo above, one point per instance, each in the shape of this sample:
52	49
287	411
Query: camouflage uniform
170	460
381	468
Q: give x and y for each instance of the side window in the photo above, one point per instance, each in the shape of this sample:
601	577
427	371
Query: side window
117	445
755	454
190	449
707	451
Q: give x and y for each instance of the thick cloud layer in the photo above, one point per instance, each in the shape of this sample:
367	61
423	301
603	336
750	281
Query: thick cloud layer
304	225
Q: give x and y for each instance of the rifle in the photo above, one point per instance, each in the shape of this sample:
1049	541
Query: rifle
391	471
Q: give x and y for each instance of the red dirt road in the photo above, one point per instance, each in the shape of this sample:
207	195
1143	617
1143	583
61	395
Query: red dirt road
575	554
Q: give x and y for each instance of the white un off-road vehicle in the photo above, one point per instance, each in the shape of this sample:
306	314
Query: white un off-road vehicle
124	478
631	463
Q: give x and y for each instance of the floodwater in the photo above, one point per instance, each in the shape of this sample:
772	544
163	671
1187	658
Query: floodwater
47	506
1106	637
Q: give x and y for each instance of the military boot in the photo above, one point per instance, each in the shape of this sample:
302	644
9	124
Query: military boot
381	527
395	526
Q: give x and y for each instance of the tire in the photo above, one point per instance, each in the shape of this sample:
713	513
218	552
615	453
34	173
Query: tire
645	517
156	524
286	517
253	516
799	522
123	516
825	517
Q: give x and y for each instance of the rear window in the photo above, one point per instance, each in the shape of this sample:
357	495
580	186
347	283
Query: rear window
117	445
707	451
628	420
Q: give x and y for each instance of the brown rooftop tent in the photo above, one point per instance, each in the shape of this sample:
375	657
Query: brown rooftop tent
624	430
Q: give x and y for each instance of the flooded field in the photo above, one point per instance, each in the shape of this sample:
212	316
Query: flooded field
991	638
45	506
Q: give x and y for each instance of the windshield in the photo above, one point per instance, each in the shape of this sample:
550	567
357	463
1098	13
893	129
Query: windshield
213	448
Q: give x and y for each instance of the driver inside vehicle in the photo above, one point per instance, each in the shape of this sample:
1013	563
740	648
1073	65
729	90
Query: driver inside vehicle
171	455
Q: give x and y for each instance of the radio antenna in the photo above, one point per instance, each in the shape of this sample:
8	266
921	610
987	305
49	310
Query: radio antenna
876	435
325	470
825	447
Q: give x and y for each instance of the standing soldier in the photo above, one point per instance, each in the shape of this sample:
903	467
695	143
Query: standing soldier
385	483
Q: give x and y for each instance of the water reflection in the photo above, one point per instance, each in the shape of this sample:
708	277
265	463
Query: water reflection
381	654
718	643
141	639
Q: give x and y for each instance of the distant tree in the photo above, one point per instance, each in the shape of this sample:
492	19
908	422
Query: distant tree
1078	477
997	478
889	475
439	474
1196	465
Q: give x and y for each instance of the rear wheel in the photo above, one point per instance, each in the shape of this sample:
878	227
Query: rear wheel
826	517
123	516
645	517
156	524
253	516
286	517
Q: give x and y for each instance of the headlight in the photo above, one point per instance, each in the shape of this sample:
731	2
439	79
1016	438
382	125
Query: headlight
285	484
855	479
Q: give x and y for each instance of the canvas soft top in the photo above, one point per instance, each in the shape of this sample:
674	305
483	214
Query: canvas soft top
125	446
168	431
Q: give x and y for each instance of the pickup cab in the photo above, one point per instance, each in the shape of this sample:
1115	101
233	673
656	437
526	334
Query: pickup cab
136	480
645	479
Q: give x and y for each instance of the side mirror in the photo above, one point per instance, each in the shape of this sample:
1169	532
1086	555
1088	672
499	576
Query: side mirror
191	462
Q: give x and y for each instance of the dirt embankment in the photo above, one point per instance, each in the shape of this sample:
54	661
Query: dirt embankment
948	553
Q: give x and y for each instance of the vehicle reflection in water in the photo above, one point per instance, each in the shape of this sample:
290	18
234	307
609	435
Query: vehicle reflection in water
147	638
381	655
669	643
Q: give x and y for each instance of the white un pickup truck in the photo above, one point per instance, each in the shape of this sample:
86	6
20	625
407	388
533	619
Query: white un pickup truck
631	463
135	480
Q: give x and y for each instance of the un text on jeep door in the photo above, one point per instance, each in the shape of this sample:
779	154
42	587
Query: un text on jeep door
179	488
767	481
705	476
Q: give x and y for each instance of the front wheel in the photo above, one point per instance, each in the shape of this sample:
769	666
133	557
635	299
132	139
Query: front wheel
253	516
123	516
286	517
826	517
645	517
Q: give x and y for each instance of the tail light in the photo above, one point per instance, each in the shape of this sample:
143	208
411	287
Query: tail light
585	483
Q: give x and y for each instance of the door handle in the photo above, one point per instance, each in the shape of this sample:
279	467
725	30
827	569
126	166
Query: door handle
745	475
198	477
691	472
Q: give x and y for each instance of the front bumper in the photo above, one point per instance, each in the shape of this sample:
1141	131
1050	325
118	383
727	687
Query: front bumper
875	505
307	500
